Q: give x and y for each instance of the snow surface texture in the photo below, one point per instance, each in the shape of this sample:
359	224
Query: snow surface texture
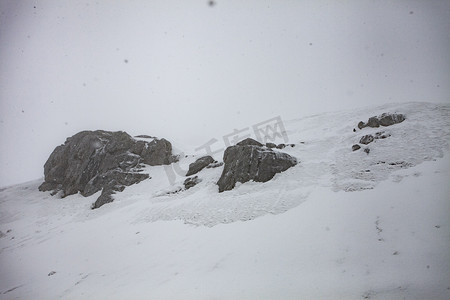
323	148
388	239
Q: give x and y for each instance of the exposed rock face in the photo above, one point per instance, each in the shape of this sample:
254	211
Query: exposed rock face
373	122
104	198
91	161
191	181
279	146
391	119
381	135
250	161
154	153
356	147
367	139
249	142
385	119
199	165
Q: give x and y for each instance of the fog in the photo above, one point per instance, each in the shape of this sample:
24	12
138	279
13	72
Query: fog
190	71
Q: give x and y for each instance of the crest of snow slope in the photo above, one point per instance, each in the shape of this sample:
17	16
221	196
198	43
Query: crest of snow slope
389	240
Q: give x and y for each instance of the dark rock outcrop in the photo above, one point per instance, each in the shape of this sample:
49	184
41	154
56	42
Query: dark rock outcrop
279	146
91	161
250	161
356	147
249	142
155	153
386	119
373	122
191	181
367	139
199	165
381	135
104	198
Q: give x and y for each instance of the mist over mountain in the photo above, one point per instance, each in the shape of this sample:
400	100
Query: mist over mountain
224	149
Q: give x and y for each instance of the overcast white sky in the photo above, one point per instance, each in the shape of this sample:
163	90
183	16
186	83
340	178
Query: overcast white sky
189	71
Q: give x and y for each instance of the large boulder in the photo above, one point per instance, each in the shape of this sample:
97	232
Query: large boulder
199	165
91	161
386	119
250	161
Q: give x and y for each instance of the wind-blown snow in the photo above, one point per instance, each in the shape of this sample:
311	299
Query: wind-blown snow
305	235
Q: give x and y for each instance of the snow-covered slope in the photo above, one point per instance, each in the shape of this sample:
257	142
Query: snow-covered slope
339	225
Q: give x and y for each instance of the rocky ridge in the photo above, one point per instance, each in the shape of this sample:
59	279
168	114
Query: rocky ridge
91	161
